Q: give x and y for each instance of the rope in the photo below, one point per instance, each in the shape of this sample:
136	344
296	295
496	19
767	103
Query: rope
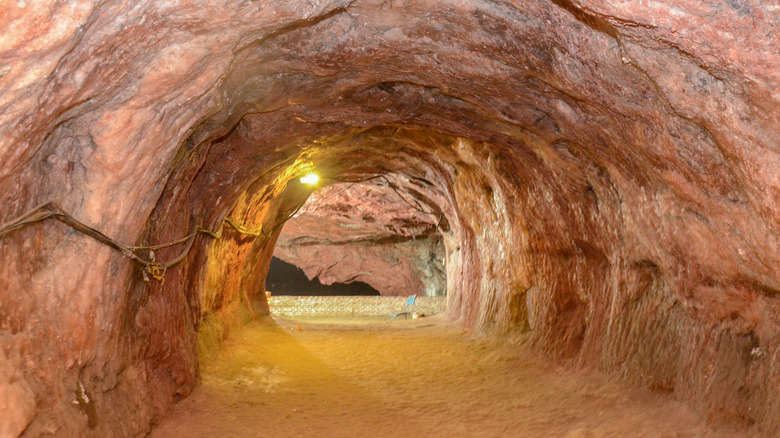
151	267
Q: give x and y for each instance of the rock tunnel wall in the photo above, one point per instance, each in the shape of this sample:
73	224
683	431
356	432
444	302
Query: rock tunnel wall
368	232
607	173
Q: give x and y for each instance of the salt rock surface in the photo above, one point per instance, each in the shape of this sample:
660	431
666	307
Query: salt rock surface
370	232
607	172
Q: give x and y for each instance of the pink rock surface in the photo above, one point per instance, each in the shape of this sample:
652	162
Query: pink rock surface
373	232
606	172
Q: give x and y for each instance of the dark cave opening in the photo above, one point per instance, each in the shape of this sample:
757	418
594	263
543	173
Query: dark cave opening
287	279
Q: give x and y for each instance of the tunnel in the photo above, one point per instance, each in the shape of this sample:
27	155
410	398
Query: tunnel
602	178
365	235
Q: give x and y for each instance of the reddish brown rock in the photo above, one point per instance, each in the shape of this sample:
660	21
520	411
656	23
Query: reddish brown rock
606	172
373	232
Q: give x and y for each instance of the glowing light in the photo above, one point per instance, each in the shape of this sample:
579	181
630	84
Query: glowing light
311	178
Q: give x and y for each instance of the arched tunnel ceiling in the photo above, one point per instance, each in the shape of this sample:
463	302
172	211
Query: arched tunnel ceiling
608	172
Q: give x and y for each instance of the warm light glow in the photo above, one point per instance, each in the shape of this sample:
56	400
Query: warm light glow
311	178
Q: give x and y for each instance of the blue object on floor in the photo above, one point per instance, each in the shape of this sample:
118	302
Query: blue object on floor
409	302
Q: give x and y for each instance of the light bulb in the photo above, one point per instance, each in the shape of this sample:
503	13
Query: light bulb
311	178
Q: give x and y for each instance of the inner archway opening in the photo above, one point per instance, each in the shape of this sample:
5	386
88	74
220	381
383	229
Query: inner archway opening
377	237
371	232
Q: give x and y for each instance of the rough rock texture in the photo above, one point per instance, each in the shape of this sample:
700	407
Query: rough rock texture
606	171
368	232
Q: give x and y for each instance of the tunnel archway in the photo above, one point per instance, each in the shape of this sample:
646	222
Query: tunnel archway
373	231
606	172
287	279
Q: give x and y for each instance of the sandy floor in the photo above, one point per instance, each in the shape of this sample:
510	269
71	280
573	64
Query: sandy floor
421	377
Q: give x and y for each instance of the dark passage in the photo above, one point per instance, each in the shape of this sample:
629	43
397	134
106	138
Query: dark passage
287	279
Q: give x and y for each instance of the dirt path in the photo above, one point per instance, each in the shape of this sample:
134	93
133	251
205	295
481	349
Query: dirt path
409	378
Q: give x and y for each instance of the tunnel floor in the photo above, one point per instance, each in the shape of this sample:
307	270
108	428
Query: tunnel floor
423	377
